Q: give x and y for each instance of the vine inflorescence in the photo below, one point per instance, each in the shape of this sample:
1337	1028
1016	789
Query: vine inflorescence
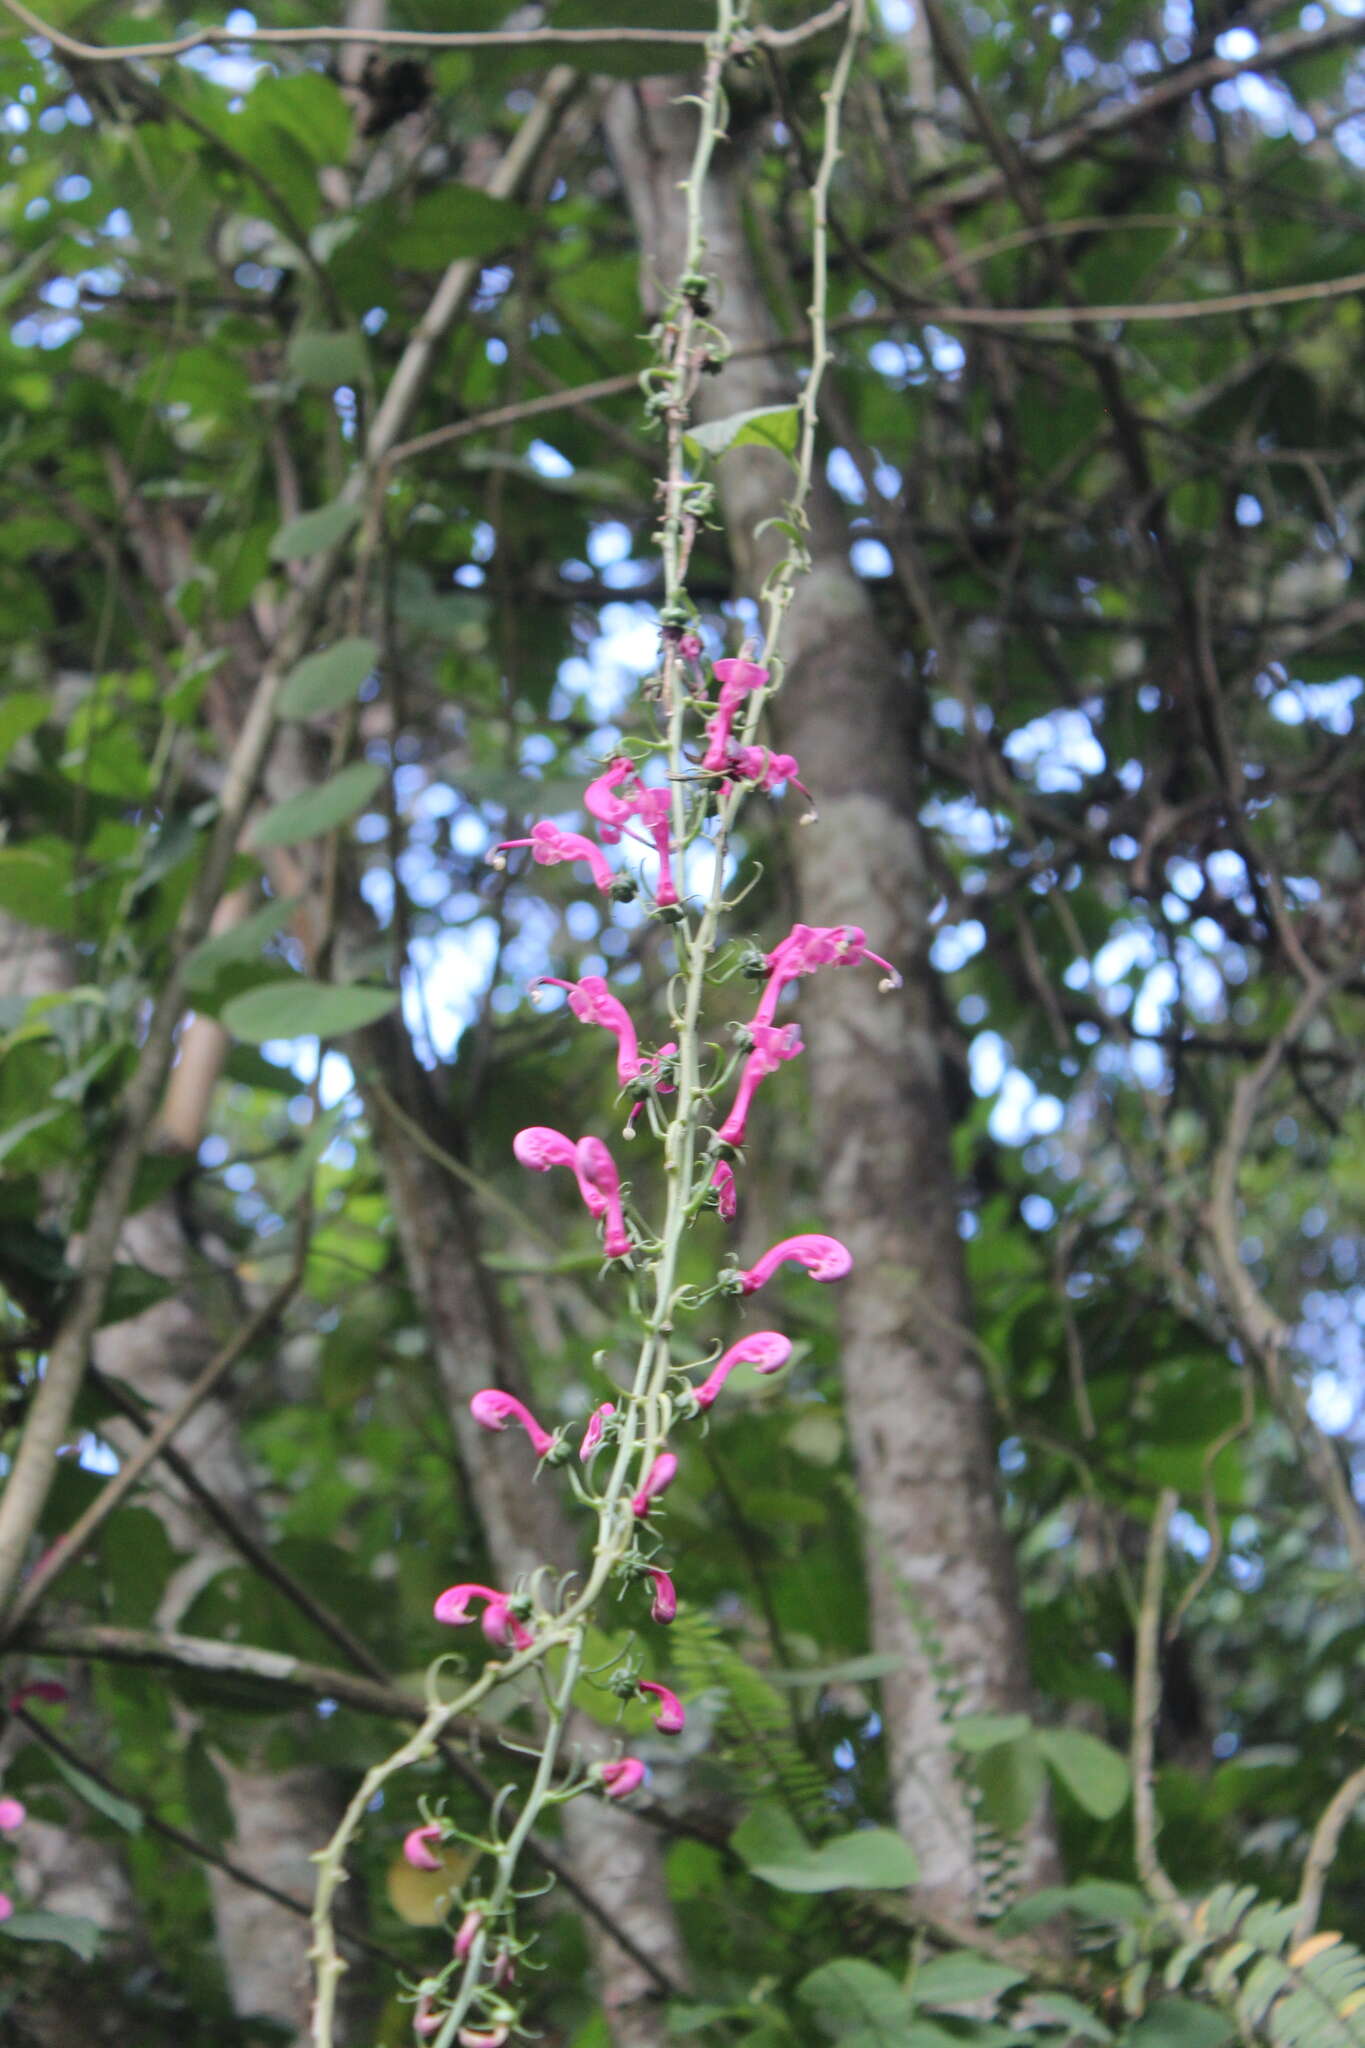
704	753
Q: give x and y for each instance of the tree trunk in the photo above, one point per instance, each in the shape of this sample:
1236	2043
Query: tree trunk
944	1599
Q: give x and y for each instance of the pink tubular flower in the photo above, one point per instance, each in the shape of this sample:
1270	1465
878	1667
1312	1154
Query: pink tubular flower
498	1624
425	2022
415	1849
772	1044
736	677
600	800
620	1778
657	1480
665	1605
550	845
651	807
671	1718
592	1435
689	646
13	1814
469	1927
501	1627
807	947
764	1350
824	1258
723	1180
593	1001
6	1906
482	2037
494	1410
600	1186
540	1148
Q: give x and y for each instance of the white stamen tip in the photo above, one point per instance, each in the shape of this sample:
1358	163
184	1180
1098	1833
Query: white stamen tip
497	860
888	982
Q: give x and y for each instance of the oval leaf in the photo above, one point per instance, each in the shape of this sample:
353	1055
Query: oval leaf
766	426
81	1936
960	1978
325	681
327	359
313	532
315	811
305	1009
1095	1775
870	1859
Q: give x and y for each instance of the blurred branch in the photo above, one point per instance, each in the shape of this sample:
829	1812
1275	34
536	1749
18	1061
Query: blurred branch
1147	1707
1323	1848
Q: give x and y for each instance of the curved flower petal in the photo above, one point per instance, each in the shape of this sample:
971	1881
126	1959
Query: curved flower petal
824	1258
671	1718
415	1849
494	1410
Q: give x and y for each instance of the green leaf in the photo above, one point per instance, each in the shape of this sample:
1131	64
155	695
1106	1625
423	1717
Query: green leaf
870	1859
35	881
327	359
325	681
986	1731
81	1936
765	426
850	1997
1010	1778
875	1664
315	811
22	713
1095	1775
244	942
1093	1899
958	1978
305	1009
103	1801
456	220
312	533
1180	2023
1069	2013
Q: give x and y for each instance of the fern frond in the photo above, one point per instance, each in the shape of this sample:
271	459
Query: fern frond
752	1717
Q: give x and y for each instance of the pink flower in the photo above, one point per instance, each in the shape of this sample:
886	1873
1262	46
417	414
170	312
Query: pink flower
494	1410
498	1622
824	1258
736	677
807	947
415	1850
665	1605
6	1906
13	1814
723	1180
482	2037
670	1719
49	1690
772	1045
764	1350
425	2022
650	806
763	768
501	1627
469	1927
689	646
540	1148
592	1435
600	1187
620	1778
600	800
657	1480
504	1967
593	1001
550	845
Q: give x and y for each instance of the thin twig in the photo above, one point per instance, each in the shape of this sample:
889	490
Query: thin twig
1146	1708
418	39
1323	1848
